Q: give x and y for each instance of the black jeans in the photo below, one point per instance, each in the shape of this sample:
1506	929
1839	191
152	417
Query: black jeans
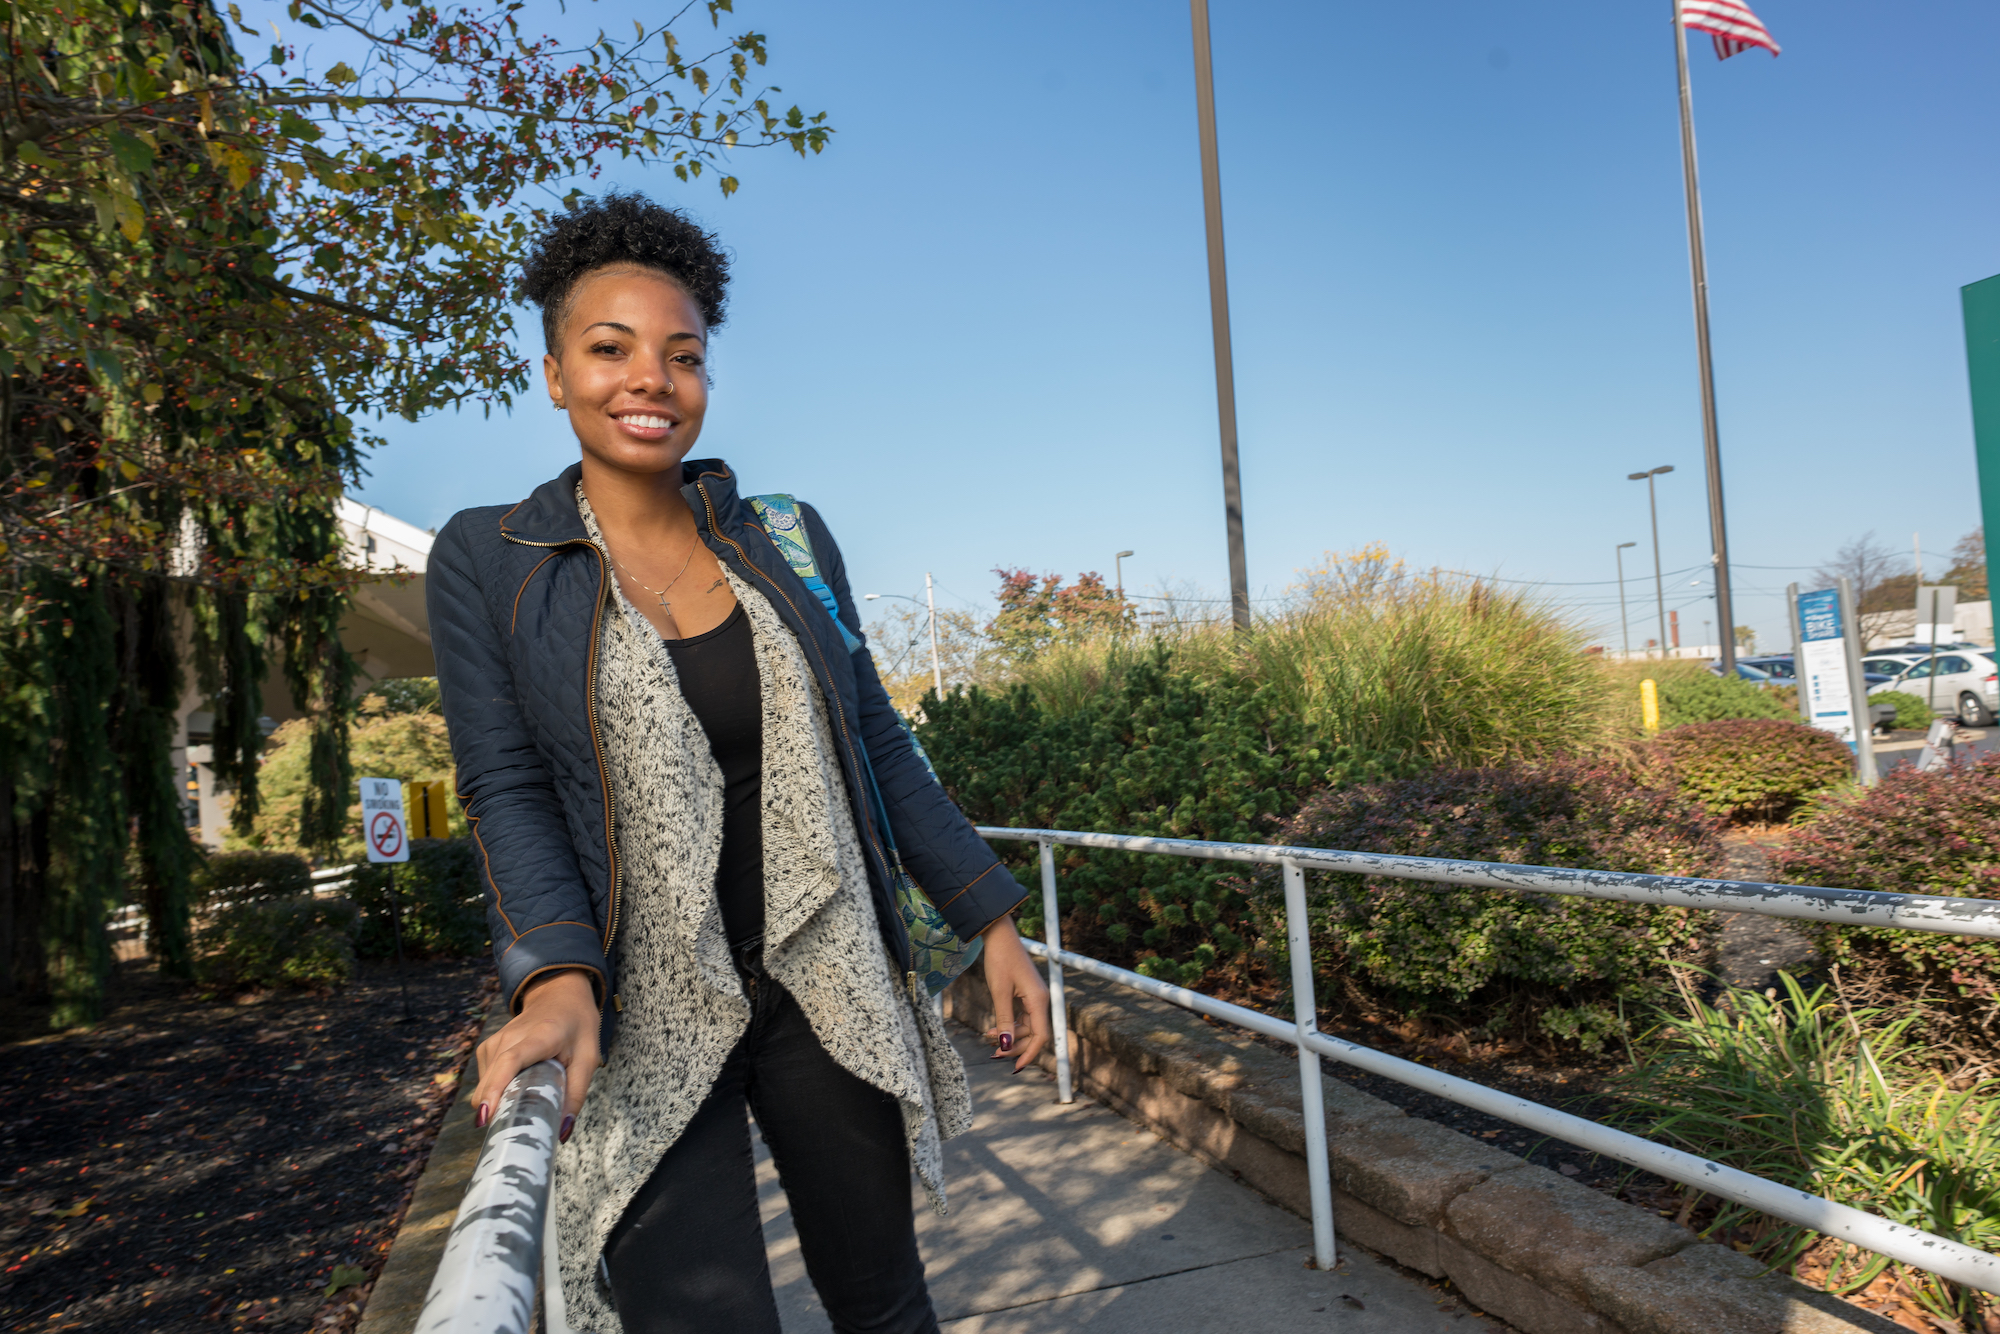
687	1257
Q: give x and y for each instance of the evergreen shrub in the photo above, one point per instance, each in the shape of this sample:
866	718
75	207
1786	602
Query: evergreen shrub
1754	767
1913	712
1148	750
1913	833
439	899
244	877
1494	958
298	941
1703	697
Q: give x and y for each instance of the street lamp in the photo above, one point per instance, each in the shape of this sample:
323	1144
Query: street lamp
1624	625
1119	562
929	604
1659	585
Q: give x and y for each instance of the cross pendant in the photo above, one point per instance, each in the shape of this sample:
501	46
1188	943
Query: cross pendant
665	605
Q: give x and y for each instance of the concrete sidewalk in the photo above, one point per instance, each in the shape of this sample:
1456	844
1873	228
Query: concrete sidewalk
1067	1217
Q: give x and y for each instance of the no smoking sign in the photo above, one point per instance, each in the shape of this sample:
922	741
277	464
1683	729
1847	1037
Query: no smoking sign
387	835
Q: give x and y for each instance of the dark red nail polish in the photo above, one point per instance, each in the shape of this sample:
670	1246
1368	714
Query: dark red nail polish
569	1124
1006	1043
480	1117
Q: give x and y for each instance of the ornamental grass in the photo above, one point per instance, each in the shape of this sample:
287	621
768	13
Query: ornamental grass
1806	1089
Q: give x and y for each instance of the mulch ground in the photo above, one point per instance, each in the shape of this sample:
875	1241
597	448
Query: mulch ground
217	1165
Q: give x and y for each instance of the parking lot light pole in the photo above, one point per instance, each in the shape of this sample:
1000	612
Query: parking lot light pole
1659	584
1624	624
1118	562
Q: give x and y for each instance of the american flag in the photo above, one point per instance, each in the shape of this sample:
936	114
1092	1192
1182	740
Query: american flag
1730	23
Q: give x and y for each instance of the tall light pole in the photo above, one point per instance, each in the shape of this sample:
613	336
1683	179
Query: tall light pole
1218	315
1119	563
1659	584
930	605
937	667
1624	625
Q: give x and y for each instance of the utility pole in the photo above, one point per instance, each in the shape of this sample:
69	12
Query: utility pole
1718	534
1659	584
1624	625
1218	312
1119	564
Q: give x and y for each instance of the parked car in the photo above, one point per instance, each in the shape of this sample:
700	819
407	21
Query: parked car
1778	668
1961	683
1756	676
1777	665
1893	662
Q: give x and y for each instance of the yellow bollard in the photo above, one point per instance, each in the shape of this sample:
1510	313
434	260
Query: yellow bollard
1649	705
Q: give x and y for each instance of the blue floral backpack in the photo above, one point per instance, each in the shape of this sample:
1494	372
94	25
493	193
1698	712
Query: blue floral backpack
937	955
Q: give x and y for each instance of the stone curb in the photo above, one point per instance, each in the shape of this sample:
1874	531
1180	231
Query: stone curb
1528	1245
405	1280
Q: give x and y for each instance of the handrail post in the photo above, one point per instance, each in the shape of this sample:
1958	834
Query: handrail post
1058	1008
1312	1099
485	1282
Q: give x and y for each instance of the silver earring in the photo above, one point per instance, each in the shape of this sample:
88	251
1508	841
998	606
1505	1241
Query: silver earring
556	403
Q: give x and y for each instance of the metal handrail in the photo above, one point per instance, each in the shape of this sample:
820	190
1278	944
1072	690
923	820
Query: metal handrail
1846	907
485	1283
1974	917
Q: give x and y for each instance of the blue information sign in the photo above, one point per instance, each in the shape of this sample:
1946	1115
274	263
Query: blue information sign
1819	615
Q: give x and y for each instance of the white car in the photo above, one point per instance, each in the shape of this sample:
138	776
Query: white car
1966	684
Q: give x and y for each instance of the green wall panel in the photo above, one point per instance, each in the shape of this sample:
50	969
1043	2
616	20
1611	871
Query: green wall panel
1982	357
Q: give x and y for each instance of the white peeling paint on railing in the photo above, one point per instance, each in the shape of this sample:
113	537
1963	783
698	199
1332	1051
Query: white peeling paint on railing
1972	917
1842	907
485	1283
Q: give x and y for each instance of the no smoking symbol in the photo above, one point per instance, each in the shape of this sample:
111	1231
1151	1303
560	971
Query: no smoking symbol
385	831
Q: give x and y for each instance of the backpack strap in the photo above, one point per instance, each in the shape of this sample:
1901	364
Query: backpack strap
779	513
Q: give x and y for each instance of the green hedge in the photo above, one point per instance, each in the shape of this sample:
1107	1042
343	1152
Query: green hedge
1703	697
1754	767
1494	958
1913	712
244	877
440	899
299	941
1150	750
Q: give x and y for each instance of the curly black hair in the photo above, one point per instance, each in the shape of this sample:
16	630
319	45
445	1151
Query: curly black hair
622	228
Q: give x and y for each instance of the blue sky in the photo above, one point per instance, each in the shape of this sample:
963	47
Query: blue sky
975	332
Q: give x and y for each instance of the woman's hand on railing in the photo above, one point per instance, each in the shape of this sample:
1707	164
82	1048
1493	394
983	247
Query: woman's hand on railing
558	1019
1018	990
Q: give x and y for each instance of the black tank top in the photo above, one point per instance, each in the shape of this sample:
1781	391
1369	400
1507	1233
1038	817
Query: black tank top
718	671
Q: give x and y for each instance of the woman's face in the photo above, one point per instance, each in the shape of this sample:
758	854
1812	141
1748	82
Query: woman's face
630	370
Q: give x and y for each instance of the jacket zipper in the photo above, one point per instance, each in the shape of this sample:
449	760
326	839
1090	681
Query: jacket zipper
840	712
596	736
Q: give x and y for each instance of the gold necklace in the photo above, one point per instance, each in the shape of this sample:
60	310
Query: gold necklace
661	593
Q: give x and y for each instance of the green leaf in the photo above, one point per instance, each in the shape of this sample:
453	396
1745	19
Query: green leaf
131	153
345	1276
341	75
294	126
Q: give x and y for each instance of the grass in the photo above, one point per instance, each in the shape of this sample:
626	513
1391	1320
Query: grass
1805	1089
1370	654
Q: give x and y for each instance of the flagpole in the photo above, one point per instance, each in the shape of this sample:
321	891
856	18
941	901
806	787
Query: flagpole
1218	312
1718	534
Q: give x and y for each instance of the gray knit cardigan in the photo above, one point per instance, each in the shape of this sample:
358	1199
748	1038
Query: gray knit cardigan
684	1008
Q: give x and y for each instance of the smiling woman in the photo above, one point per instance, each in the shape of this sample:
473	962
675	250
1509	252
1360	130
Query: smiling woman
666	745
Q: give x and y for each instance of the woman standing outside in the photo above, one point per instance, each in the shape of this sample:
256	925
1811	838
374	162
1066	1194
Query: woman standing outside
664	746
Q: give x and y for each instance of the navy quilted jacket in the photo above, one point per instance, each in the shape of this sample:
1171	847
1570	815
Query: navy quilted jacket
516	595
